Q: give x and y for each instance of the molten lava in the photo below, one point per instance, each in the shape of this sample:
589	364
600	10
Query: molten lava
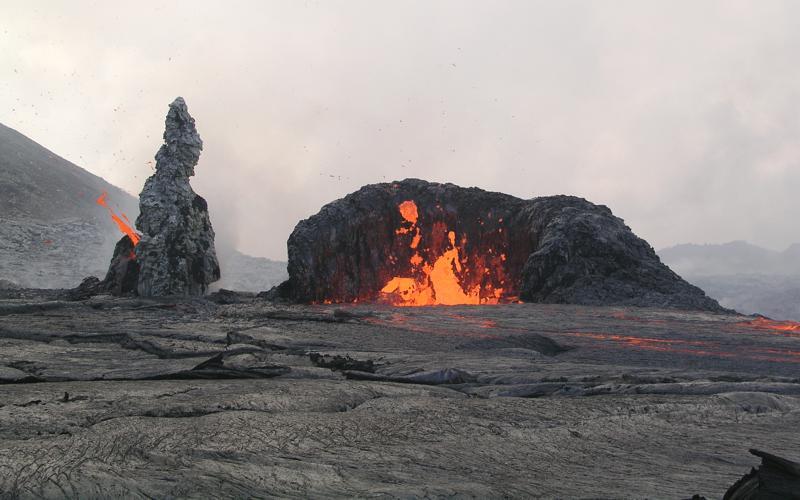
408	209
442	280
772	325
124	225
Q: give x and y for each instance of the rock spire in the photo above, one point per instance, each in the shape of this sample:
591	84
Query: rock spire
176	254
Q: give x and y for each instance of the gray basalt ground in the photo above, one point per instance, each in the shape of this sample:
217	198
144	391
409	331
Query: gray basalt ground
227	397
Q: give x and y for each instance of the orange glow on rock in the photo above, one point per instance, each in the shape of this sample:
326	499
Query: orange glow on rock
124	225
416	240
440	281
768	324
408	209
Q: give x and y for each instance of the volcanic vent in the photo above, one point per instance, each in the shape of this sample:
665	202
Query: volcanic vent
417	243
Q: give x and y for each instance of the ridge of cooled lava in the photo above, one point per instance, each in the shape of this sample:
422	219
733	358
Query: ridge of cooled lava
413	243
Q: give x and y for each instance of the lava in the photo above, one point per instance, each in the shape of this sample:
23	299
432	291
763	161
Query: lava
440	282
124	225
694	347
772	326
408	209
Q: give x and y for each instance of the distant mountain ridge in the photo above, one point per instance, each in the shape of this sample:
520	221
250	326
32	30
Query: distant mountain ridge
736	257
742	276
53	234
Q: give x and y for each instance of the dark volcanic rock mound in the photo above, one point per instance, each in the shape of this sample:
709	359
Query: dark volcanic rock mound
558	249
345	252
123	272
776	478
583	254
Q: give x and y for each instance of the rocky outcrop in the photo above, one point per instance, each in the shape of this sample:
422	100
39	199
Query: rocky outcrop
775	478
583	254
176	254
122	277
558	249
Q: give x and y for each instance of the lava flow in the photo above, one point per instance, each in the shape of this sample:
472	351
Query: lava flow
442	281
772	325
124	225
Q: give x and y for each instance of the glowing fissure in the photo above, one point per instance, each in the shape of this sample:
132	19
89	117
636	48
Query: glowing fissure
768	324
124	225
438	282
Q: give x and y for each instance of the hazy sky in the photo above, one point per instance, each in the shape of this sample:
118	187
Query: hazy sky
682	116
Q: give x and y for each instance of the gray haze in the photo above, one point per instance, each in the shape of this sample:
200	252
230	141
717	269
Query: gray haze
742	276
682	116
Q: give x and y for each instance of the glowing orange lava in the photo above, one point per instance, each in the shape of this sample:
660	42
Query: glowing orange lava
408	209
777	326
124	225
784	326
434	283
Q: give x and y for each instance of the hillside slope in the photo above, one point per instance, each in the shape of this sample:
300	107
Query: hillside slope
36	183
53	233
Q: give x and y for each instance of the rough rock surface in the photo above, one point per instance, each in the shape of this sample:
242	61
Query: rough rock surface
53	233
776	478
176	255
186	398
557	249
122	277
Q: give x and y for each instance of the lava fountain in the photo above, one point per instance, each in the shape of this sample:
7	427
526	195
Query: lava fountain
418	243
123	222
442	281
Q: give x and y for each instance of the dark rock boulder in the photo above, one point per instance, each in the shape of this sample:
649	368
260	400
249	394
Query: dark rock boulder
225	297
341	363
89	287
583	254
407	242
176	254
122	277
776	478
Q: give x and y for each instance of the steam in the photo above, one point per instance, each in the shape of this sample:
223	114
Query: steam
679	116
